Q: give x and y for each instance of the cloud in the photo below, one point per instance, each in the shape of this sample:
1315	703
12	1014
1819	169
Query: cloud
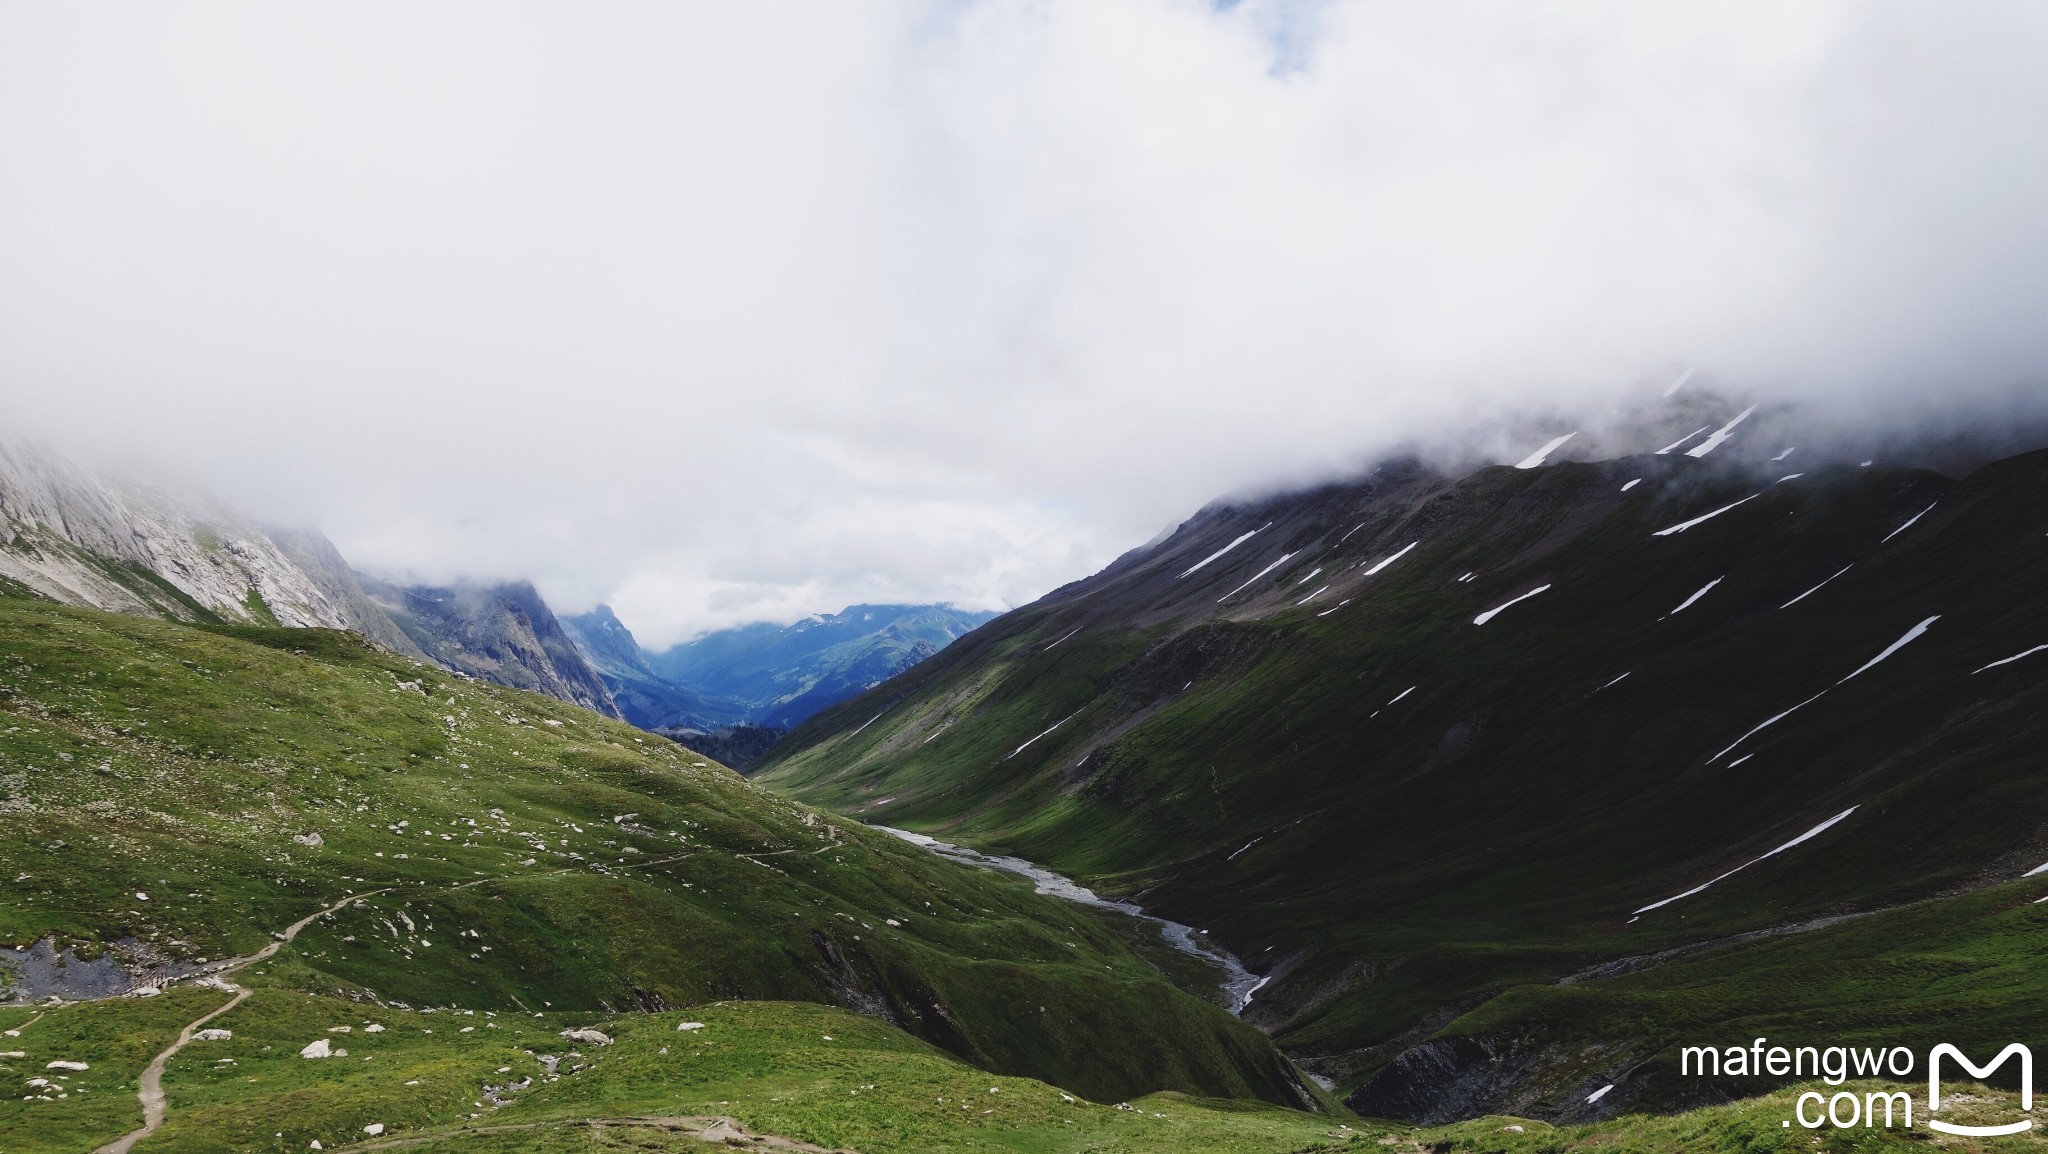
744	311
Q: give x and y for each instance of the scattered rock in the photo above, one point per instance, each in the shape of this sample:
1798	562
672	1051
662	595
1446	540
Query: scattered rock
67	1066
686	1027
145	992
592	1037
373	1028
312	840
374	1129
212	1035
316	1049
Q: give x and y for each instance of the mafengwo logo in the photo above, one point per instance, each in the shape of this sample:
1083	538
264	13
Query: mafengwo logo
1934	1058
1837	1064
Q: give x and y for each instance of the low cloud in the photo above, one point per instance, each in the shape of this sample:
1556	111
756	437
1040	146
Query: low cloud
741	312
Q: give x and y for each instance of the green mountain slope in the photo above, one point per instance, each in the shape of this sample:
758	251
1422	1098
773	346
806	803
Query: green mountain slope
174	796
796	1073
1345	730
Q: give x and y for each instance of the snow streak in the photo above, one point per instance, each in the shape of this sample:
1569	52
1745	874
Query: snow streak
1402	694
1695	597
1311	597
1894	647
1225	549
1766	725
1683	440
1063	637
868	722
1631	484
2010	660
1809	834
1255	577
1719	435
1781	456
1682	526
1487	616
1392	559
1536	458
1816	589
1908	524
1048	729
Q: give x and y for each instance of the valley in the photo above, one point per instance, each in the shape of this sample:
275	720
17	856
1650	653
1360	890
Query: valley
1420	747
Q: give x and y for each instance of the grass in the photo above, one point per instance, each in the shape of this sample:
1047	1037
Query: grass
175	794
1246	768
805	1072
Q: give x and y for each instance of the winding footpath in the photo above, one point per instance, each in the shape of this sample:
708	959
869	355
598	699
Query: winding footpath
151	1092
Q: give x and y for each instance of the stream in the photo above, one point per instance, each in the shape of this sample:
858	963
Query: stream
1239	984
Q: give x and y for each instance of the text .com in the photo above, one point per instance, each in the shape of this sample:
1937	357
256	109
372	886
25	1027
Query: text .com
1837	1064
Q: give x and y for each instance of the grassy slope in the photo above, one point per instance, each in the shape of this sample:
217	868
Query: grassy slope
806	1072
529	853
1496	828
766	1065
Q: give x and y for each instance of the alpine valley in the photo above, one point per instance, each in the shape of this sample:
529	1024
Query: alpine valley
1467	795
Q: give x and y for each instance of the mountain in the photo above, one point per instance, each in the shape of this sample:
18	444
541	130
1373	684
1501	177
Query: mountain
185	799
779	675
499	632
643	696
1513	781
81	539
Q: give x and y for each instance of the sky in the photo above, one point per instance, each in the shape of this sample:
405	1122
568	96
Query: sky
733	312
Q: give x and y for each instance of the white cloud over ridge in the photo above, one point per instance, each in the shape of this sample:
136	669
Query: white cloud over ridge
738	312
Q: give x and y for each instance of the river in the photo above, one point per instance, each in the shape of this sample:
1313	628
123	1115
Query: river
1239	984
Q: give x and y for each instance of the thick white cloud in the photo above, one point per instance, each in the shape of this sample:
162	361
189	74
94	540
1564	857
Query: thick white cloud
742	311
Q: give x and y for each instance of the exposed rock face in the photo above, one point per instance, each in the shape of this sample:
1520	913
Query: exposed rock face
123	546
503	633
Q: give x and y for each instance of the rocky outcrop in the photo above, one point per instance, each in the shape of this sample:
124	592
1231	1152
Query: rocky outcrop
120	545
502	633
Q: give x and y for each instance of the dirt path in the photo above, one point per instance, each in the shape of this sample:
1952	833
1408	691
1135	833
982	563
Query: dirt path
716	1131
151	1092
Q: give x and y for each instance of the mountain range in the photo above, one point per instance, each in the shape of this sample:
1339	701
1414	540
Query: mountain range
120	545
777	675
1510	781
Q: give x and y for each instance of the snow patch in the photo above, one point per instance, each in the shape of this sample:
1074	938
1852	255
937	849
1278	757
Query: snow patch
1816	589
1719	435
1536	458
1255	577
1696	596
1048	729
2009	661
1808	835
1392	559
1489	615
1910	635
1225	549
1908	524
1683	440
1682	526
